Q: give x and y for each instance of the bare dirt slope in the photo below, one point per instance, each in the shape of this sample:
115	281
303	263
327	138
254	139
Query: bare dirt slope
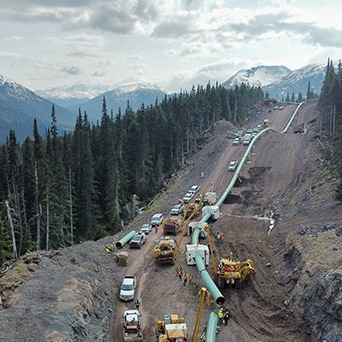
72	294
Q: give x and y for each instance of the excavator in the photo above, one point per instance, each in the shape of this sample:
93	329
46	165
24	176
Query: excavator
299	129
231	272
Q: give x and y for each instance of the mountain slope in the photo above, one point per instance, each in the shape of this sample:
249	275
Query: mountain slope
297	81
258	76
279	80
19	106
136	94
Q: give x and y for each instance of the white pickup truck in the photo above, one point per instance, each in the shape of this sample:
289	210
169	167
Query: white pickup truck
127	290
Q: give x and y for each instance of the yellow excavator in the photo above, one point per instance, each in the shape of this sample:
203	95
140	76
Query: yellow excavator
231	272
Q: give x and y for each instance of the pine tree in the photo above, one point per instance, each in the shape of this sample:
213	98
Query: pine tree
5	244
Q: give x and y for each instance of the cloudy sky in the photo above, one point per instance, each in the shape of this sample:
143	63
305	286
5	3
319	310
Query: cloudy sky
174	44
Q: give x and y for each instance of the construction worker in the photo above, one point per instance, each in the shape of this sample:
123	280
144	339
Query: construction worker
190	278
137	304
156	230
226	316
180	274
180	267
220	316
185	279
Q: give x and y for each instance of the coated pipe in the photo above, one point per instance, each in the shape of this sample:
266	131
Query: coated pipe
210	333
211	286
125	239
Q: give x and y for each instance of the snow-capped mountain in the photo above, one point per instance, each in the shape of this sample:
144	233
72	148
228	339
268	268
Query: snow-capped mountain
280	80
19	106
71	96
258	76
297	81
135	93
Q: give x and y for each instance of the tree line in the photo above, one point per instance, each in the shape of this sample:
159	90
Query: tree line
57	190
330	117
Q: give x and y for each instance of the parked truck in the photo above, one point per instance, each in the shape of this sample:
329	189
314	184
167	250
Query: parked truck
131	326
165	250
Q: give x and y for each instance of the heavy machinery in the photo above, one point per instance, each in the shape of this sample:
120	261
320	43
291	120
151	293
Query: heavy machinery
203	250
172	329
165	251
194	211
299	129
204	300
171	225
231	272
265	123
131	327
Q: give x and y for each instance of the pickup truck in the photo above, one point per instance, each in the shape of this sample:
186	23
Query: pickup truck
127	289
137	240
131	327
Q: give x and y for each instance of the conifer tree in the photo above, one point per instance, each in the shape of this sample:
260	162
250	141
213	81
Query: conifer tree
5	243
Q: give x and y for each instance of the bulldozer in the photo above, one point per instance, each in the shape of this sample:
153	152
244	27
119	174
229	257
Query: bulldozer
171	225
172	329
165	250
265	123
231	272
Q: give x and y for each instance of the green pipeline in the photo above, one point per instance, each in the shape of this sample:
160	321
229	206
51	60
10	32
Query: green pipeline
125	239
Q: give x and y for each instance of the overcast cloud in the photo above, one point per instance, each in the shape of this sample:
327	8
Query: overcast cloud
47	44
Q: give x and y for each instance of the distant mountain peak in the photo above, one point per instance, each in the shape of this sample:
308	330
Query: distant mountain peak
278	80
258	76
133	86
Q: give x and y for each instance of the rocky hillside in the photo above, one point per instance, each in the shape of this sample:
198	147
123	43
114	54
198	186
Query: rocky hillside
72	294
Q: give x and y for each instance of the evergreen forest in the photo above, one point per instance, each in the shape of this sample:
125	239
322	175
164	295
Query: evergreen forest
330	119
60	189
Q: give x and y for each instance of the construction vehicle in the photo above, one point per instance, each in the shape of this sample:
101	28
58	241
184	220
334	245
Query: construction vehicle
299	129
172	329
231	272
131	327
171	225
193	211
165	250
265	123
